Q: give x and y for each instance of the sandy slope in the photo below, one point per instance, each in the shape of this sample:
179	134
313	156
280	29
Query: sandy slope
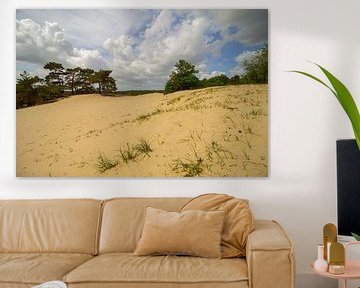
217	131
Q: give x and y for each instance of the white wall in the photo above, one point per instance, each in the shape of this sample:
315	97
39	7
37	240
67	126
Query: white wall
305	120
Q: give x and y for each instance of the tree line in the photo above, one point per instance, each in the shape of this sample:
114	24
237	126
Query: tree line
183	77
60	82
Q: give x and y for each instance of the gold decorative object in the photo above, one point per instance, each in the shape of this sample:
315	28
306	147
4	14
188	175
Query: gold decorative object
336	269
337	253
330	236
337	258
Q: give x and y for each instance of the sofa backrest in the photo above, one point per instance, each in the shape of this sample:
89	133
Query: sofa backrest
123	220
67	226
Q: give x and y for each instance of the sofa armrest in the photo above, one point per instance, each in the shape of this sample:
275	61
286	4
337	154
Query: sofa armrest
269	256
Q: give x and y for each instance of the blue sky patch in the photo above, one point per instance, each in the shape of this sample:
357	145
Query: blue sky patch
232	30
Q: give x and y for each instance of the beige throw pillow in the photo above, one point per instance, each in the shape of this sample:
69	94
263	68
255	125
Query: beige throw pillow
239	220
194	232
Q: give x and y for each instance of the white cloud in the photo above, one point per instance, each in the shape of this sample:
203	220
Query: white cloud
86	58
181	34
240	60
35	43
250	25
40	44
204	71
84	26
148	60
210	75
121	48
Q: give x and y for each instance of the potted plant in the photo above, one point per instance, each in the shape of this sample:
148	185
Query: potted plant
346	100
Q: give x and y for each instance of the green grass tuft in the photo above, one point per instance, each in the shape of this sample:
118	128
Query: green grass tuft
220	153
143	148
189	168
127	154
104	163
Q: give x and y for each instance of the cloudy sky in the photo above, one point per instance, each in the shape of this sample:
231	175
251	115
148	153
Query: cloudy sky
140	46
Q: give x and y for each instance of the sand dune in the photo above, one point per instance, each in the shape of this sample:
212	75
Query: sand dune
217	131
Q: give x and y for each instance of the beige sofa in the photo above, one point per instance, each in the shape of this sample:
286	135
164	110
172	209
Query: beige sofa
89	243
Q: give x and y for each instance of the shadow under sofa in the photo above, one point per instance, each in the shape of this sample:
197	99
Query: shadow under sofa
90	243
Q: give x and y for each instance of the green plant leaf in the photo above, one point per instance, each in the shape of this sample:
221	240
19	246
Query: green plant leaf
316	79
356	236
344	97
346	100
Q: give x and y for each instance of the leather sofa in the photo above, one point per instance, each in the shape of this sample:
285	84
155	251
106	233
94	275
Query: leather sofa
89	243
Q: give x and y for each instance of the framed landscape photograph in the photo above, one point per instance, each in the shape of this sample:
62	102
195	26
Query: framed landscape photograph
141	93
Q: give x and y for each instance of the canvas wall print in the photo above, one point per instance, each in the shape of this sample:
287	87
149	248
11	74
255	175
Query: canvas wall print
141	93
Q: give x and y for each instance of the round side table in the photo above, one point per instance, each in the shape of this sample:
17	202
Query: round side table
352	272
352	269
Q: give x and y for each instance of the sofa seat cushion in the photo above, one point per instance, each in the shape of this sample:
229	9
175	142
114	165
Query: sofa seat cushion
36	268
125	267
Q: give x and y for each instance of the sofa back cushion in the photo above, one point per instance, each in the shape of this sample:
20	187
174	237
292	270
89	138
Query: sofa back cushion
66	226
123	220
238	224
